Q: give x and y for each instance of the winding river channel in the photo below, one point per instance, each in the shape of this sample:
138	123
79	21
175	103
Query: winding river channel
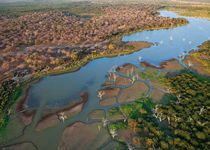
60	90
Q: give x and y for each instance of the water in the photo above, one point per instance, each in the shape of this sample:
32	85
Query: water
57	91
54	91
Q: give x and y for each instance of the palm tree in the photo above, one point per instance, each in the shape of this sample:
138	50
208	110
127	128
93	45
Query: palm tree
113	133
130	147
114	77
101	94
201	110
133	79
99	128
189	64
169	119
105	122
179	98
62	117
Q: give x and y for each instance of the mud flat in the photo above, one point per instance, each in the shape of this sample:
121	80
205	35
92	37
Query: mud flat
158	91
97	114
139	45
138	88
53	118
22	146
110	92
120	81
109	96
91	135
169	65
126	135
127	69
25	117
116	117
108	101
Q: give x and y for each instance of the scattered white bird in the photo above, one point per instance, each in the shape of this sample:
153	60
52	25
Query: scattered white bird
190	42
183	39
161	42
140	58
171	38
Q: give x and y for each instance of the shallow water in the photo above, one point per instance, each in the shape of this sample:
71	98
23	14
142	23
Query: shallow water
57	91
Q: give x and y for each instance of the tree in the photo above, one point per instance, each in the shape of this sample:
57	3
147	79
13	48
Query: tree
133	124
149	142
200	135
164	145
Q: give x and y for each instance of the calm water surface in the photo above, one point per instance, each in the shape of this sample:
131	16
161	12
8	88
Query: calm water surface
55	91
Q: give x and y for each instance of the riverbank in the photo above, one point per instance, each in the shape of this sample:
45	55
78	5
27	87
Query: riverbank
200	11
114	48
172	64
50	119
119	82
199	60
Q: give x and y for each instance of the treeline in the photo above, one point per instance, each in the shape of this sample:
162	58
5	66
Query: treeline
9	92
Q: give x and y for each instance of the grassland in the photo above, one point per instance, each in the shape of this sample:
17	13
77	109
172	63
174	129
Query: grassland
201	11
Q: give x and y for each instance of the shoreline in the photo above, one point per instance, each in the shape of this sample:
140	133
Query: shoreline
37	77
161	66
76	68
52	118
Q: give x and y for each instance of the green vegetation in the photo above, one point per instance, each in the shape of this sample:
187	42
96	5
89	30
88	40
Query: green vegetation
203	55
180	124
152	75
188	116
9	92
114	111
132	111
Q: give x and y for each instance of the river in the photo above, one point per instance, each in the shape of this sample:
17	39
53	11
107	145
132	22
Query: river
60	90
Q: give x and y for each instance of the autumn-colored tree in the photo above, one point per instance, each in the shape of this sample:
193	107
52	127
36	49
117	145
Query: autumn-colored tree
133	124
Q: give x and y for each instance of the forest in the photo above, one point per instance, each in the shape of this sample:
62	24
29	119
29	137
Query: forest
182	123
9	92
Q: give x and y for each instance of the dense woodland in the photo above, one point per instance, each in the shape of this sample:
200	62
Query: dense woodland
182	123
9	92
44	39
38	40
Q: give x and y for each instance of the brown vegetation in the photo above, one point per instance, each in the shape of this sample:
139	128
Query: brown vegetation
41	41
